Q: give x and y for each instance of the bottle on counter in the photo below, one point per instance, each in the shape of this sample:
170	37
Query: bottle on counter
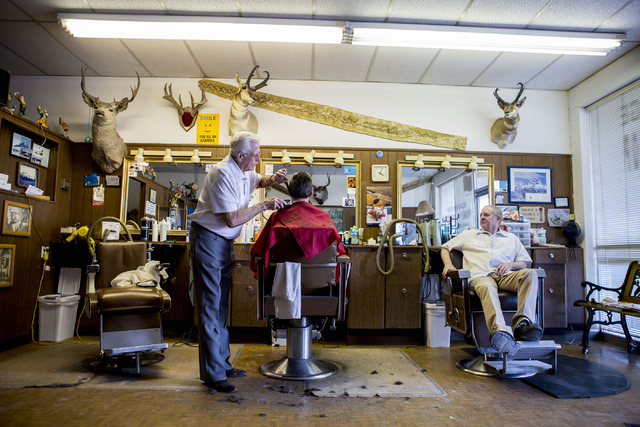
163	231
347	238
154	230
144	228
354	235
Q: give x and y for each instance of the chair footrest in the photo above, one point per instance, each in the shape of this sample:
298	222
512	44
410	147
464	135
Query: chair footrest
136	349
534	349
517	367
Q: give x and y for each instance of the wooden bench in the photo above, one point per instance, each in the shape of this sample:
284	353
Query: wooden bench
629	292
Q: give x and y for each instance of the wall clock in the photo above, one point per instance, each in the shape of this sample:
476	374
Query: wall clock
379	173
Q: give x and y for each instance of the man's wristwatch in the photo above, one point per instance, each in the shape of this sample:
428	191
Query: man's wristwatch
273	181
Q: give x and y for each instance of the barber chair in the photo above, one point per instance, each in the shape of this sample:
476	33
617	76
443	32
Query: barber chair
464	314
322	297
130	317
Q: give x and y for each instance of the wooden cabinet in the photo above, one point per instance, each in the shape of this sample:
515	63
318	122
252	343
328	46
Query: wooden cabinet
244	303
553	262
384	302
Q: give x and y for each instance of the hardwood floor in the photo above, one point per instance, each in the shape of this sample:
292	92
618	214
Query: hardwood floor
470	400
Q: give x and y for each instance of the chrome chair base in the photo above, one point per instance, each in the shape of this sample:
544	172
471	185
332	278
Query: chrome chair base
298	369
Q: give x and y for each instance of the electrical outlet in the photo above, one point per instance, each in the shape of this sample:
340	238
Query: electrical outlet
44	250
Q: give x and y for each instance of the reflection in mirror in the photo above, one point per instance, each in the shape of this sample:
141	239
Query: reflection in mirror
166	191
456	195
335	189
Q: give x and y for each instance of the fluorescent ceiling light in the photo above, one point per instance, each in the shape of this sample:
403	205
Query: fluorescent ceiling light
335	32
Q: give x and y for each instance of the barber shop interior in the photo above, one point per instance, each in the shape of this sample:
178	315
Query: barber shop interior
320	212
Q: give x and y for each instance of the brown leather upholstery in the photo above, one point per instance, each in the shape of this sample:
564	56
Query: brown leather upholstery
130	298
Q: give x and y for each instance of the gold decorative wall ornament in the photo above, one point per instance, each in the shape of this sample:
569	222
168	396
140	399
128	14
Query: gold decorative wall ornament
341	119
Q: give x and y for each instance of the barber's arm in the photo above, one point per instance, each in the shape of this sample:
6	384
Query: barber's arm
239	217
510	266
279	177
446	259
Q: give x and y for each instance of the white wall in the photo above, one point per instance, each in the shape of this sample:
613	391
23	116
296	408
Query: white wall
620	73
470	112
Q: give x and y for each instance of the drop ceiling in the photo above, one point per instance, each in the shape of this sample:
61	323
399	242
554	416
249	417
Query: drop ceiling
32	43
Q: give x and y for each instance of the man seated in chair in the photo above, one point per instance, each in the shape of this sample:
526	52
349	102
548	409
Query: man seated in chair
311	227
498	260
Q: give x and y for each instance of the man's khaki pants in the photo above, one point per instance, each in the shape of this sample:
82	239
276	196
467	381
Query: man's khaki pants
524	282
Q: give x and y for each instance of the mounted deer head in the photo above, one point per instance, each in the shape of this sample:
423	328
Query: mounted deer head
187	115
320	193
109	148
504	130
241	119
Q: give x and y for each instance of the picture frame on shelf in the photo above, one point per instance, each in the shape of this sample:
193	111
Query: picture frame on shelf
27	175
530	185
40	155
561	202
7	265
16	220
19	143
152	195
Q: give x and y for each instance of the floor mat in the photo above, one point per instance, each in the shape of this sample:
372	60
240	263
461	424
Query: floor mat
579	378
178	371
372	372
55	365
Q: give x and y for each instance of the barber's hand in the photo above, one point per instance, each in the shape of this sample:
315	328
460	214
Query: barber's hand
503	269
447	268
280	177
273	203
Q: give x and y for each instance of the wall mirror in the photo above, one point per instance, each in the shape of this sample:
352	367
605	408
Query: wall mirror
456	194
342	185
162	191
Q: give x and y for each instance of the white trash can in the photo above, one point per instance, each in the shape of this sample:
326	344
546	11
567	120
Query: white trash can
437	333
57	316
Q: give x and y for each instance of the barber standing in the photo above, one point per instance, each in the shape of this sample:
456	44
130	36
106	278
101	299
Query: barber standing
217	221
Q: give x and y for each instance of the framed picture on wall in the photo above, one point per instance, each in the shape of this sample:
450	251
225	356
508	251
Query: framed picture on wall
19	143
562	202
27	175
16	220
152	195
7	264
530	185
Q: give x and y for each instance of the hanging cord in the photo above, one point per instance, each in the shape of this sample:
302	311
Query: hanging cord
89	125
35	308
425	248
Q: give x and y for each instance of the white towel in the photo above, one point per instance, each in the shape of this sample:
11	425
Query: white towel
286	289
146	276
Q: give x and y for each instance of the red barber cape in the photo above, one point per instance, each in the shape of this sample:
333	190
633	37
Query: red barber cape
311	227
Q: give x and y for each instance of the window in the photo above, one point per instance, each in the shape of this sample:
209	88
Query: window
615	172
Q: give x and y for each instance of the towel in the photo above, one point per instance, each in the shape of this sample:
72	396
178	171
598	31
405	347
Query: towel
286	289
146	276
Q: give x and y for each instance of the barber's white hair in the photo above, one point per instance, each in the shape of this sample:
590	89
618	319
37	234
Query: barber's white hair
241	143
496	211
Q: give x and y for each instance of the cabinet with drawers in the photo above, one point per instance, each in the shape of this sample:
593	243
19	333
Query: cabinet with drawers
244	303
553	261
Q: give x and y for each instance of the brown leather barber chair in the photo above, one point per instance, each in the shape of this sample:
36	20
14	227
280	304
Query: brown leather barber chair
130	317
322	297
464	314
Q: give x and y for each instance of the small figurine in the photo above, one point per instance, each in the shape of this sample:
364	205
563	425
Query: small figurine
64	126
43	116
23	103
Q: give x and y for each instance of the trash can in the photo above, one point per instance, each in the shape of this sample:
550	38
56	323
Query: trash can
437	333
57	312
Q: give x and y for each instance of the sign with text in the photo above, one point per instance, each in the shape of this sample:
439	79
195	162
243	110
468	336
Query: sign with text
534	213
208	129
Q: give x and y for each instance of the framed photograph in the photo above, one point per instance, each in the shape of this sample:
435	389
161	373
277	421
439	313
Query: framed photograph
561	202
16	220
27	175
40	155
509	212
530	185
152	195
7	264
20	143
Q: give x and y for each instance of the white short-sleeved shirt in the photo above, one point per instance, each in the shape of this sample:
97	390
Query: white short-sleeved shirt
484	251
226	189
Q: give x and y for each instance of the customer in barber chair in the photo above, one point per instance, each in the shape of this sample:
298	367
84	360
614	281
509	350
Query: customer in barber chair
311	227
498	260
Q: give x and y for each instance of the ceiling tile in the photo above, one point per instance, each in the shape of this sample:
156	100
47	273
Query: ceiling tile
510	68
148	7
12	12
400	65
15	65
628	17
427	11
164	58
446	69
352	10
300	9
202	7
503	13
47	10
342	62
284	61
222	60
583	15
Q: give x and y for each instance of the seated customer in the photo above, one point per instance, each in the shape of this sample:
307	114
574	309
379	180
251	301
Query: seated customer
311	227
498	260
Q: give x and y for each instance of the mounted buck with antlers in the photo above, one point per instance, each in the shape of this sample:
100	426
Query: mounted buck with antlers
109	148
187	115
504	130
241	118
320	192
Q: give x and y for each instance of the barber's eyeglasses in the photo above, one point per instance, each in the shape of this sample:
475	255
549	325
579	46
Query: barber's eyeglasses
255	156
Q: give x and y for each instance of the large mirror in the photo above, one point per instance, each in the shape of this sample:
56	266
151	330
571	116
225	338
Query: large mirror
456	194
340	198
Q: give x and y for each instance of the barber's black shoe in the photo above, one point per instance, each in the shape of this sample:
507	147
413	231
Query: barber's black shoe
526	331
503	342
235	373
223	386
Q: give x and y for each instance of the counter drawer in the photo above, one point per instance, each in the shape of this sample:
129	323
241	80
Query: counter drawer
549	256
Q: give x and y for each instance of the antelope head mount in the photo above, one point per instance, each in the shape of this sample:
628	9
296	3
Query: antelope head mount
505	129
241	119
320	192
109	148
187	115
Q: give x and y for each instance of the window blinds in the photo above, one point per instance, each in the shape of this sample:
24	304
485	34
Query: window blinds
615	174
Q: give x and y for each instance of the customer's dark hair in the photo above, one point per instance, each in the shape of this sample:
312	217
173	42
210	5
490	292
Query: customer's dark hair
300	185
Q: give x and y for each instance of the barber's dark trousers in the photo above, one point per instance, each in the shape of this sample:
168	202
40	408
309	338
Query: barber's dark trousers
212	260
